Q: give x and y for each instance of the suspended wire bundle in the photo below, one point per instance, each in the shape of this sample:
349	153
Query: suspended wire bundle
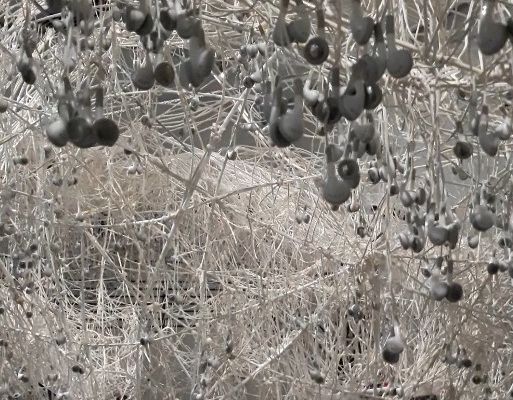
272	199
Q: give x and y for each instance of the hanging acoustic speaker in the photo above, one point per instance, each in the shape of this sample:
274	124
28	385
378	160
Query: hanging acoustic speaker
361	27
316	50
299	29
280	34
291	124
352	102
492	35
335	190
399	62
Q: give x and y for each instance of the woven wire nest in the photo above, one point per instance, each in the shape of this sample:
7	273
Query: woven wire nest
194	260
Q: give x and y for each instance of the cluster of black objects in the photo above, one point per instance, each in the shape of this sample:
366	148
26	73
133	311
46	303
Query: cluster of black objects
77	123
493	35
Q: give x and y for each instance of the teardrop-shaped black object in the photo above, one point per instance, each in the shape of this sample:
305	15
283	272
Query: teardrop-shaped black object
349	171
482	218
417	244
299	29
420	196
291	124
206	62
454	292
133	18
399	62
437	234
405	240
277	138
81	133
186	26
143	77
201	57
27	70
146	27
462	150
379	53
167	19
489	143
390	357
361	27
335	191
373	146
492	35
453	234
406	197
493	267
334	114
280	34
316	50
473	241
184	74
107	131
29	75
373	175
164	74
352	102
368	68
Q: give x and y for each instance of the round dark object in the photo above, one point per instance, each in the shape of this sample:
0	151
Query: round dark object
164	74
334	110
492	268
107	131
454	292
417	245
166	20
27	71
187	26
316	50
248	82
421	196
146	27
277	138
390	357
350	171
77	369
462	150
81	133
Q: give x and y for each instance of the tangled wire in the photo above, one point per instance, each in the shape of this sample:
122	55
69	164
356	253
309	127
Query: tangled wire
256	199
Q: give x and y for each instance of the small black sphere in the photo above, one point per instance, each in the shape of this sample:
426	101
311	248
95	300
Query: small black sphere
316	50
492	268
462	150
248	82
454	292
390	357
107	131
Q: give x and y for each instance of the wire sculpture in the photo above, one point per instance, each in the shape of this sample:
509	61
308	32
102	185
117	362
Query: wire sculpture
256	199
